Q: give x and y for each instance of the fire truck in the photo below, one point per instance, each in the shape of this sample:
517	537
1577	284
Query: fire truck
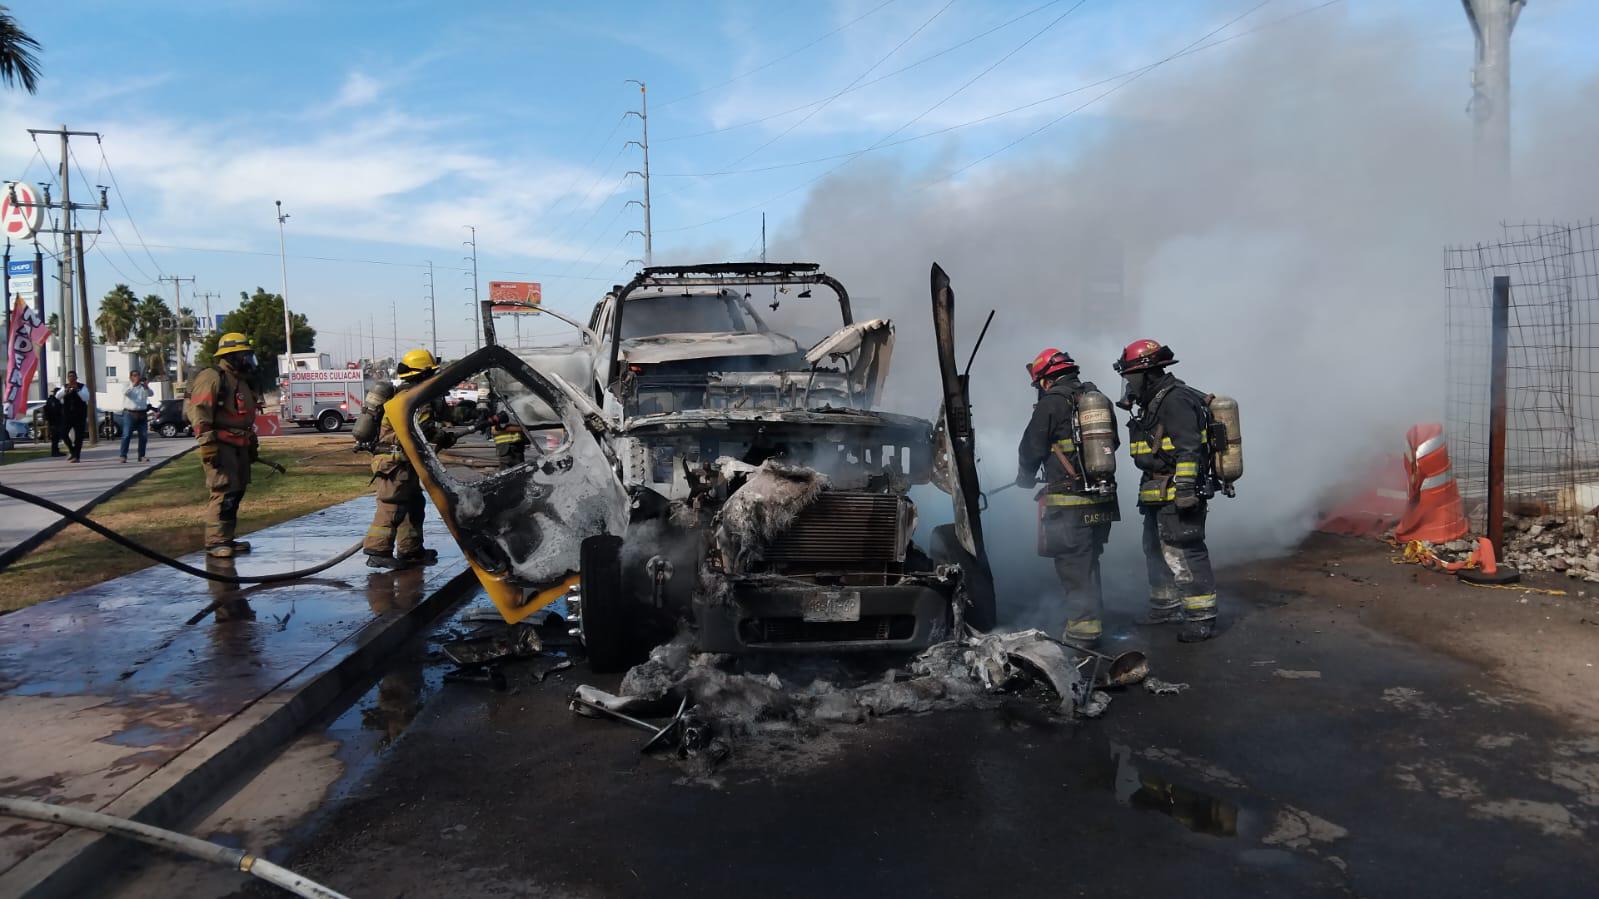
326	399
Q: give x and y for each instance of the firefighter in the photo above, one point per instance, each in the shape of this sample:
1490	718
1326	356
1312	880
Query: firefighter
394	539
510	439
1168	434
1074	517
221	408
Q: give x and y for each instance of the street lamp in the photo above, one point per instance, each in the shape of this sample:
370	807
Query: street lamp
283	262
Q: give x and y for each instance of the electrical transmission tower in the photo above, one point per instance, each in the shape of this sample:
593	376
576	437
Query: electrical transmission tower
477	324
643	143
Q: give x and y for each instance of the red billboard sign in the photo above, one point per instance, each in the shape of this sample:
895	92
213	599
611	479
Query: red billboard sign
515	296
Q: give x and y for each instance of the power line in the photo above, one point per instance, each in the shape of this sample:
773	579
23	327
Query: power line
865	84
341	259
123	202
823	105
1137	72
774	61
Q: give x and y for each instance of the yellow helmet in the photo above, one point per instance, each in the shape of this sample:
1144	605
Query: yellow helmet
416	363
231	342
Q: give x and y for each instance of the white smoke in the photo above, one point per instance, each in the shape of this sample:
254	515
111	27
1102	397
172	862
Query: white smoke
1275	211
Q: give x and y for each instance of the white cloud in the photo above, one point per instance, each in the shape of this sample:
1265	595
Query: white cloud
359	89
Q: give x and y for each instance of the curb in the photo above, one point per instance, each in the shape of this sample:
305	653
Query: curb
50	530
75	863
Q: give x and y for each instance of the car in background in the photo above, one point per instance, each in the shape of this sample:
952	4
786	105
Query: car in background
168	420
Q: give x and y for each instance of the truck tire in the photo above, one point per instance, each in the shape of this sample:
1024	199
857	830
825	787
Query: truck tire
329	421
167	429
982	607
607	634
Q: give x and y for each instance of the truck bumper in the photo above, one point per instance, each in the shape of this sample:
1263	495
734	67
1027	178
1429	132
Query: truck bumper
905	617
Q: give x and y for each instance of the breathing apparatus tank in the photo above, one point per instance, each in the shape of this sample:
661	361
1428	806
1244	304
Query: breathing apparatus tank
1226	440
370	422
1096	435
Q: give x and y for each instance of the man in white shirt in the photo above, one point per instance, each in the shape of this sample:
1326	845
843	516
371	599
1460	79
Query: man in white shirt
135	414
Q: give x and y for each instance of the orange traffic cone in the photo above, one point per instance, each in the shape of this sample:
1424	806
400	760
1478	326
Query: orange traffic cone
1433	510
1487	570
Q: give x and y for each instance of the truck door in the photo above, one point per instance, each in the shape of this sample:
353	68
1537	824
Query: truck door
518	492
955	457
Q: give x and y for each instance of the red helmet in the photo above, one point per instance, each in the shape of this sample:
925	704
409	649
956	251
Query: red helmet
1050	363
1143	355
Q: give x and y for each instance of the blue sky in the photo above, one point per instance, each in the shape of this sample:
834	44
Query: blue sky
386	128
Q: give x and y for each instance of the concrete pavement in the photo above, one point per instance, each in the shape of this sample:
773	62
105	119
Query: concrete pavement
96	477
111	702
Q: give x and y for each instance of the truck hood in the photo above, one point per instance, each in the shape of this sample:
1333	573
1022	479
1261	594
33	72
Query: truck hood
677	347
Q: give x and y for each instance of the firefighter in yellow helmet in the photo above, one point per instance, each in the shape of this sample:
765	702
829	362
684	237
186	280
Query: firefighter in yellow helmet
221	407
395	538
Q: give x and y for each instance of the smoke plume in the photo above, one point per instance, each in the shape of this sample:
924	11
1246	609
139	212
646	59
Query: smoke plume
1275	211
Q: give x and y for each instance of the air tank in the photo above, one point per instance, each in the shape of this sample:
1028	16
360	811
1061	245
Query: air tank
1229	456
1096	429
369	423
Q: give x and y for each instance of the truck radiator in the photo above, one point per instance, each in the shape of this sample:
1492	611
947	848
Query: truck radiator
845	527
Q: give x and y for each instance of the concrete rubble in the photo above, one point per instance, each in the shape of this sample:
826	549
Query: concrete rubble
1562	544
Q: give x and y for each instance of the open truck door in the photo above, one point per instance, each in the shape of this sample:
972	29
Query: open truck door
524	486
955	466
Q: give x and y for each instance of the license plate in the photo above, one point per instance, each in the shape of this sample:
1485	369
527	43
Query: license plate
840	605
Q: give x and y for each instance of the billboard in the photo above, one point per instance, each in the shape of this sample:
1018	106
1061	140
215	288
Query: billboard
515	296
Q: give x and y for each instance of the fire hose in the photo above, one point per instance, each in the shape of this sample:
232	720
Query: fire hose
166	560
238	859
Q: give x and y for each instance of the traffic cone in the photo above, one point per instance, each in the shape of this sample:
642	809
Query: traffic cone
1433	510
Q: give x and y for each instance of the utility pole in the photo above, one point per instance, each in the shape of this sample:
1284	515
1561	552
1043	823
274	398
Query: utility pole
394	327
477	323
643	144
283	263
433	311
1491	22
69	248
177	319
205	298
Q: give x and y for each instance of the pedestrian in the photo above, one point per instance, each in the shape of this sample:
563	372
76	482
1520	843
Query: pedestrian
1075	514
74	415
52	422
221	408
1169	443
394	539
135	414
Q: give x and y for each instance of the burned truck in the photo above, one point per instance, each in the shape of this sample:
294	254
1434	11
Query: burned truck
689	465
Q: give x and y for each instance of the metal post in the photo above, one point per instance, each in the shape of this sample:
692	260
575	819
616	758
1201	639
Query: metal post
92	381
1492	22
643	114
433	311
283	264
477	321
67	352
1497	414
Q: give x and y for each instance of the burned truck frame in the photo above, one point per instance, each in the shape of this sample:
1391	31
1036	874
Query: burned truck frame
727	480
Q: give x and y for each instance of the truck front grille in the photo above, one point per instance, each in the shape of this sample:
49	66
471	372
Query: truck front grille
871	628
845	527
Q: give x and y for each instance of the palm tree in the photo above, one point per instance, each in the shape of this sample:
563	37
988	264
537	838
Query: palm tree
18	64
116	317
149	324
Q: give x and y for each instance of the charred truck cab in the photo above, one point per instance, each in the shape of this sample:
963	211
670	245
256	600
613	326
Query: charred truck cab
689	464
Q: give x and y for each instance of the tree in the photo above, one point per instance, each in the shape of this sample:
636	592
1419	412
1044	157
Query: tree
18	62
260	318
116	318
150	319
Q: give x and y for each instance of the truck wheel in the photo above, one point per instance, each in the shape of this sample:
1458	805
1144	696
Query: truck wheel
982	609
329	421
605	628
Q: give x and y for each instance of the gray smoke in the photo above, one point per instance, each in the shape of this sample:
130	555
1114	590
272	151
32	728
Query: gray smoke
1275	211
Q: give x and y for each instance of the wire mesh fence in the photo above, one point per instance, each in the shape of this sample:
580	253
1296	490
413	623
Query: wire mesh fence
1552	377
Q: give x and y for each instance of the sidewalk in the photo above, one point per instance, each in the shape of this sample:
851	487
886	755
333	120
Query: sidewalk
72	485
111	702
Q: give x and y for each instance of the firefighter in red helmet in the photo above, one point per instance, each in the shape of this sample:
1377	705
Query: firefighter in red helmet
1168	439
1075	509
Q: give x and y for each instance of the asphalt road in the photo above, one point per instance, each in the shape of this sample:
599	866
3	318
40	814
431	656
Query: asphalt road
1313	755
